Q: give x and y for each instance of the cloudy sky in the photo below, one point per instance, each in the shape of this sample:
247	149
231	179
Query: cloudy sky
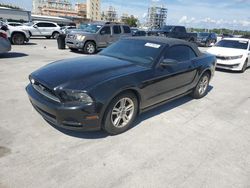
234	14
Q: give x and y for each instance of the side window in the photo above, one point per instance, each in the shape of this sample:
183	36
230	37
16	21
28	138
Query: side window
49	25
105	30
180	53
40	25
126	29
117	29
182	29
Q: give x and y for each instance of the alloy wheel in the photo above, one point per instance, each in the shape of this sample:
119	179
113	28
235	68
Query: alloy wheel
203	85
122	112
90	48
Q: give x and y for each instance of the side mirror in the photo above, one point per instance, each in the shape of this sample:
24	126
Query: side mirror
168	62
35	26
102	32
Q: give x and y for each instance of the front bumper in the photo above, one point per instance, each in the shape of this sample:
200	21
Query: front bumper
67	117
235	65
75	44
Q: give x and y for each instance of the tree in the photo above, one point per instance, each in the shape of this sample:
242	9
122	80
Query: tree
131	21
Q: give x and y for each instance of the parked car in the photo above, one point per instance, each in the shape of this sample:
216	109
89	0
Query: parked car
16	35
95	36
173	31
206	39
5	45
108	90
15	24
43	28
232	54
67	29
139	33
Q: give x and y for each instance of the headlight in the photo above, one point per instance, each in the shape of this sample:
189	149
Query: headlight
75	96
235	57
80	37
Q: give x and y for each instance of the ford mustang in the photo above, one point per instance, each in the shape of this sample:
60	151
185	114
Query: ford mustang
108	90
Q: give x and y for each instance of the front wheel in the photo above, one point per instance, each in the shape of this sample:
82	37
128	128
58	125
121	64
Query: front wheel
120	113
17	38
201	88
244	67
89	48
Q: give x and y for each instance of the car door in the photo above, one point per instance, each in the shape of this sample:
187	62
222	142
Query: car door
37	29
172	79
104	37
116	33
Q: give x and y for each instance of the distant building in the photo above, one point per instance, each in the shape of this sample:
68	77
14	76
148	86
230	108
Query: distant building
54	8
157	16
81	9
94	10
110	15
123	17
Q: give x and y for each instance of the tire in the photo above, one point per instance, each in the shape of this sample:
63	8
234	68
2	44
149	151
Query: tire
201	88
55	35
120	113
89	47
17	38
244	68
48	37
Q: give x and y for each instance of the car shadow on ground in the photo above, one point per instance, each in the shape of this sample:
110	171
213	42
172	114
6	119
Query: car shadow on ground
142	117
30	43
12	55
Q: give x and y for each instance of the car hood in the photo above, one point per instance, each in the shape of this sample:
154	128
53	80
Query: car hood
220	51
80	31
81	73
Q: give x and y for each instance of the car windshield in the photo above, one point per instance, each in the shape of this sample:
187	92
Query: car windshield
92	28
167	28
238	44
136	51
203	34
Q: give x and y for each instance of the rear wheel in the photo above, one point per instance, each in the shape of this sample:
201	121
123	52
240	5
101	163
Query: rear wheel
89	47
55	35
17	38
201	88
120	113
244	67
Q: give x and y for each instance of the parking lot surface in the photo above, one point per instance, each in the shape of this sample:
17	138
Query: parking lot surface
185	143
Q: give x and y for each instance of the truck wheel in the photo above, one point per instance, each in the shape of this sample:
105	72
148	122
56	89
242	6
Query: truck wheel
17	38
120	113
201	88
89	48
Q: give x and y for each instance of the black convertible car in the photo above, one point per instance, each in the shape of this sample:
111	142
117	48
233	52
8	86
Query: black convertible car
108	90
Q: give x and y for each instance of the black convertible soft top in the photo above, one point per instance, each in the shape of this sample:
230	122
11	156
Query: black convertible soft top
168	42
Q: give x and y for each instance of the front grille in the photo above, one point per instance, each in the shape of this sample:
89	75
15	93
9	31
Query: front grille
70	36
222	57
43	90
228	66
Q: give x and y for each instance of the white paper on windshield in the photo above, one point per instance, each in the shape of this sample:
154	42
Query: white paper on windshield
152	45
242	41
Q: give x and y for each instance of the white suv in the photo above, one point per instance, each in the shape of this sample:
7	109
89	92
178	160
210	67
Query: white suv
42	28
